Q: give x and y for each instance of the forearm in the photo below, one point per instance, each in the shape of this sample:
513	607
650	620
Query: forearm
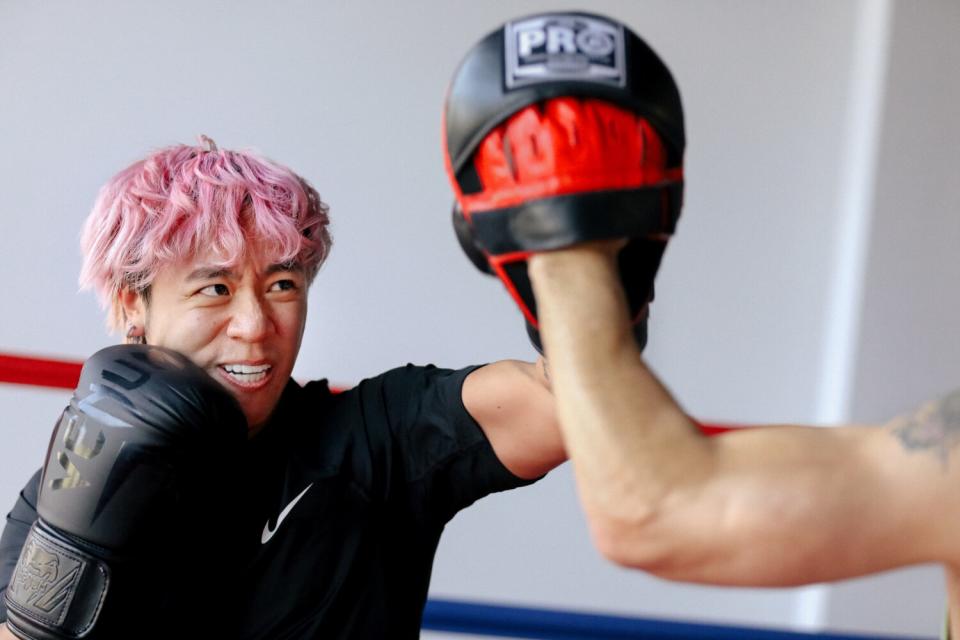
632	446
765	506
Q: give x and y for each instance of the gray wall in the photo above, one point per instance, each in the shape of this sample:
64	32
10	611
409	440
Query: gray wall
795	127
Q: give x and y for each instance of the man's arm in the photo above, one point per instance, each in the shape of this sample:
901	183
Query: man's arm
118	459
511	401
764	506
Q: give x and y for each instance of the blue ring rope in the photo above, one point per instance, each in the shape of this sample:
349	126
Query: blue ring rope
545	624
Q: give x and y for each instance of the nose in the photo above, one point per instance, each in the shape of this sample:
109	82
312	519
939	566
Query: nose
249	319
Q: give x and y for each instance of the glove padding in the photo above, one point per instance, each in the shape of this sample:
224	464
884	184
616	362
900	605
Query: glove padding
567	155
137	469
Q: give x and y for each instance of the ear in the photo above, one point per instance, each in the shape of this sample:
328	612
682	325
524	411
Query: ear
134	309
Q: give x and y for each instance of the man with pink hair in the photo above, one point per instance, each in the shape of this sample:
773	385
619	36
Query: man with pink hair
210	253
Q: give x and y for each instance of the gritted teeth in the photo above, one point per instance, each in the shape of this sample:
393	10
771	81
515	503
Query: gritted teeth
246	374
246	368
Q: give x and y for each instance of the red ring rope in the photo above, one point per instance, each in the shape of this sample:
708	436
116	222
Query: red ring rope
63	374
38	372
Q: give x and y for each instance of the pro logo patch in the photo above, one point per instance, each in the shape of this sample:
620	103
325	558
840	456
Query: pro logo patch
564	47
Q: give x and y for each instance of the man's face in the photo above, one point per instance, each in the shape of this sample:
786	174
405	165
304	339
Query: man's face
242	324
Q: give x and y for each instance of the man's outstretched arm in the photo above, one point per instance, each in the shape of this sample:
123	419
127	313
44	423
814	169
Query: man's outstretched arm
764	506
512	403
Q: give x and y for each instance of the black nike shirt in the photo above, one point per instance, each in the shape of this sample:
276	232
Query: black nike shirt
344	498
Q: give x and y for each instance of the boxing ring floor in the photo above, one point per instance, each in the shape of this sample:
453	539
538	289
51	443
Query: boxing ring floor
461	620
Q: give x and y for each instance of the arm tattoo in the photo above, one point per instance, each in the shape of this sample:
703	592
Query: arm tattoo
935	427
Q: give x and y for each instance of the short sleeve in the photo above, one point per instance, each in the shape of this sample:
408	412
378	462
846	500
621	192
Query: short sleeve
447	462
19	521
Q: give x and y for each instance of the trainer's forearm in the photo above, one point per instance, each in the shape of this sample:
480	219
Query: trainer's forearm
631	444
766	506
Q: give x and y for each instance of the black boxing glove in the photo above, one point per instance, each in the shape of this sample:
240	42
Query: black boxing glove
563	128
136	455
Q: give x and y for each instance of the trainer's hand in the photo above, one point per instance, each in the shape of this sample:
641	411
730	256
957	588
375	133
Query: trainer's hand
579	294
5	633
135	471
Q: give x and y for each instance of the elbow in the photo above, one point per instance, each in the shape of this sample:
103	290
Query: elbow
610	543
634	543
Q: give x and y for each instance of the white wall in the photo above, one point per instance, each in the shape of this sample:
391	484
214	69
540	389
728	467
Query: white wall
907	348
350	95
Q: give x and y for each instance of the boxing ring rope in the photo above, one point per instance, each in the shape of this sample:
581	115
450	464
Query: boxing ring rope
521	622
453	616
63	374
37	372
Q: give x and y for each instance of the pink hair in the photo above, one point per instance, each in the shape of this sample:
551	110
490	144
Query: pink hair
182	200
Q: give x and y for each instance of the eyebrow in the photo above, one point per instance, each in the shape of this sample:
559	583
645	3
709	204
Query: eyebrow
211	273
289	265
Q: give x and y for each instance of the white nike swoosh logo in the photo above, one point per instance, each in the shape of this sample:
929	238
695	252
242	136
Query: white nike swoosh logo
267	532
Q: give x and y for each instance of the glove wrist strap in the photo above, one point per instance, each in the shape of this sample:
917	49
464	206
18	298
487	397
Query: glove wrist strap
57	590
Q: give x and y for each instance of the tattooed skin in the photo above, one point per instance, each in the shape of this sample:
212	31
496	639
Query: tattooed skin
935	427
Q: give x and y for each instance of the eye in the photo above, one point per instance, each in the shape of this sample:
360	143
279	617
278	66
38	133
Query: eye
215	290
283	285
